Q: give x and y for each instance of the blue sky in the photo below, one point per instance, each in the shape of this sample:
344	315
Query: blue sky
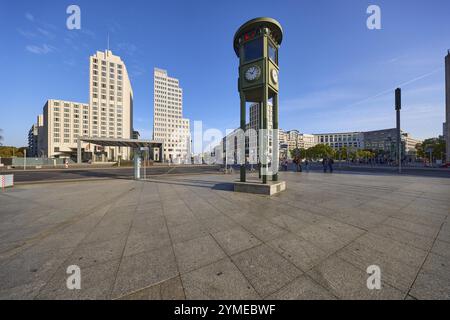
336	75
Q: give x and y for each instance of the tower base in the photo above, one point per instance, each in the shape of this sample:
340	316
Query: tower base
256	187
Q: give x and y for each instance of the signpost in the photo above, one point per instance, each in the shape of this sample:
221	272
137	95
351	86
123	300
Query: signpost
6	181
430	151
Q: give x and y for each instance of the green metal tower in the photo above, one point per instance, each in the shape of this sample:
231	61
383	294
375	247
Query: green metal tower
256	44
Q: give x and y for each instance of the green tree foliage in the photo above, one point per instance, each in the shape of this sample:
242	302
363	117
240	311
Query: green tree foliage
319	151
9	152
436	145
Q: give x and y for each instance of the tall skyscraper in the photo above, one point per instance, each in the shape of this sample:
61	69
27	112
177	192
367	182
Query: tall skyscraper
447	104
169	126
111	102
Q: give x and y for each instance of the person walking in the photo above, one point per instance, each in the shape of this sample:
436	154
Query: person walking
306	165
325	165
330	164
284	164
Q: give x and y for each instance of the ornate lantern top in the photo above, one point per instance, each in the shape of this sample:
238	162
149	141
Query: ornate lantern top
276	32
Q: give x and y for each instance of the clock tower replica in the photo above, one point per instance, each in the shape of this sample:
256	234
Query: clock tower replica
256	44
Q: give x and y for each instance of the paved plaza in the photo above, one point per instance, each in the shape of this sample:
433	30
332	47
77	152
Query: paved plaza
190	237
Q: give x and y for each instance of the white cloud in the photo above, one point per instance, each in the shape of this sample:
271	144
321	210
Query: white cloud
29	17
44	49
27	34
46	33
127	48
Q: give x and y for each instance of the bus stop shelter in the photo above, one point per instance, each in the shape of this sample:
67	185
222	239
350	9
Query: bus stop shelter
135	144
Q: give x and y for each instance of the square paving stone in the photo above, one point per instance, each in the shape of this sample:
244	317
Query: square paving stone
393	271
264	230
302	288
266	270
420	229
236	240
322	238
171	289
23	292
218	223
96	283
144	269
403	236
348	282
221	280
138	242
89	254
187	231
288	222
197	253
300	252
30	266
433	281
441	248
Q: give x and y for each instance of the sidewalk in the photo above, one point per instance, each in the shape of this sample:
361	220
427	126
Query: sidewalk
190	237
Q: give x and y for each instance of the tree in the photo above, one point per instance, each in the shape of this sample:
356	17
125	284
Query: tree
435	145
320	151
299	153
9	152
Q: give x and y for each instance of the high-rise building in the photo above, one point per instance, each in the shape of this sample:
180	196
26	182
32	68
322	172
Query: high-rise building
33	137
295	139
111	103
447	105
63	123
109	114
169	126
254	125
32	141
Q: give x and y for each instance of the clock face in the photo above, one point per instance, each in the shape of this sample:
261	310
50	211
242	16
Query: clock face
274	76
253	73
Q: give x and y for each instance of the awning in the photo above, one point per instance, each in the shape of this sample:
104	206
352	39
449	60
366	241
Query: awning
114	142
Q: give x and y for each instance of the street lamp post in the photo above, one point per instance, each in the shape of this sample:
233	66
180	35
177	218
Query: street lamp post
398	107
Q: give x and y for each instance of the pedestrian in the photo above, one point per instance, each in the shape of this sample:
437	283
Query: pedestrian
306	165
325	165
330	164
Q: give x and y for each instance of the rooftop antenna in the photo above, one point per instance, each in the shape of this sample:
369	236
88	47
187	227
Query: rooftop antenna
108	41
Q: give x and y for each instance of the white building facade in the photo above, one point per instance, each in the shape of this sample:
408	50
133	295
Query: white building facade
111	104
350	140
169	126
63	123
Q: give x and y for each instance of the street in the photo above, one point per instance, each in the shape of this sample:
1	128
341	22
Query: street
49	175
